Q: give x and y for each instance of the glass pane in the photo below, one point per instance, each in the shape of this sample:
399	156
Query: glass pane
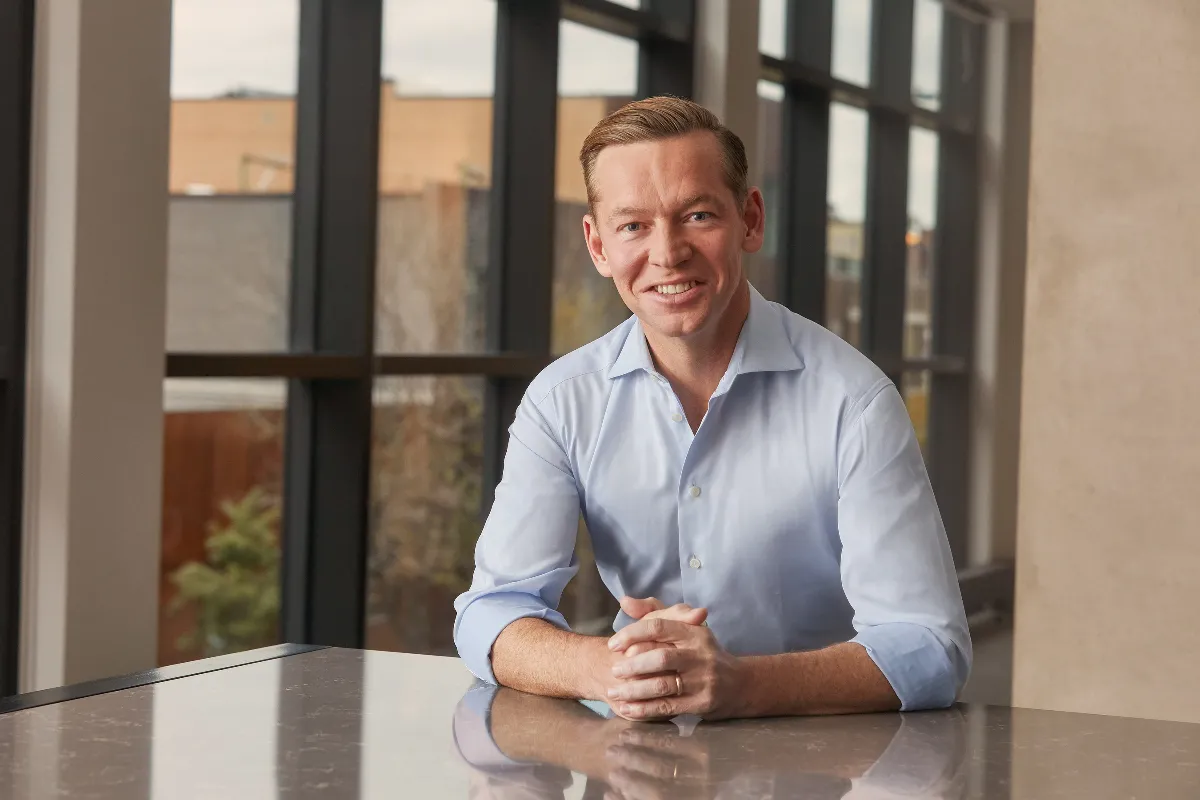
771	32
223	480
915	387
927	54
847	212
921	238
435	164
427	467
597	73
852	41
233	84
762	268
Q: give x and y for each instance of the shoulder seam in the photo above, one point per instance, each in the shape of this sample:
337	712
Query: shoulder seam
550	391
860	405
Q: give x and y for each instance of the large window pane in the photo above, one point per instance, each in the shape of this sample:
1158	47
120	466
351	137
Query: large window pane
927	54
921	238
772	15
762	268
597	73
233	81
223	480
852	41
427	467
847	212
435	167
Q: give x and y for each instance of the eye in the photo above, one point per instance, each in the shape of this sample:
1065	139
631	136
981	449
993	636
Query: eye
631	227
701	216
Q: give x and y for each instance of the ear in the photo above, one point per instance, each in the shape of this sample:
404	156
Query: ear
754	216
591	234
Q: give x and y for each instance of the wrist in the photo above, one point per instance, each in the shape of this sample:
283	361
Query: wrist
748	681
591	665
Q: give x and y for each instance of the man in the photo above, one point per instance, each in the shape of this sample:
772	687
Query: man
732	460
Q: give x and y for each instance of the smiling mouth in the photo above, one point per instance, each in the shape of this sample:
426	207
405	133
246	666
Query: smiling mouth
675	288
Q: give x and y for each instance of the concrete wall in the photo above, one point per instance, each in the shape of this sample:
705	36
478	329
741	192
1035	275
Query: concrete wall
1108	546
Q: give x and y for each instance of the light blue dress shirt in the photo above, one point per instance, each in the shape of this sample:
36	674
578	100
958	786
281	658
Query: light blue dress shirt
799	514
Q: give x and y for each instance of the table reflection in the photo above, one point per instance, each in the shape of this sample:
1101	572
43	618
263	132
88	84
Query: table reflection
523	746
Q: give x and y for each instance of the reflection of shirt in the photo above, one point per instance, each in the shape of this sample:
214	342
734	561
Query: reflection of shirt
800	513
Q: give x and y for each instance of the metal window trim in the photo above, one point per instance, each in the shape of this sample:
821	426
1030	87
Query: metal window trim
658	19
328	420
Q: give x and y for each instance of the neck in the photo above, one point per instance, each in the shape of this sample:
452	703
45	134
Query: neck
695	365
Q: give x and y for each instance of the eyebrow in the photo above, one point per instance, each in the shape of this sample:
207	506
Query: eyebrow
633	211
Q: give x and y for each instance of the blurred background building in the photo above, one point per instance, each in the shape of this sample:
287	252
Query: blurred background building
274	275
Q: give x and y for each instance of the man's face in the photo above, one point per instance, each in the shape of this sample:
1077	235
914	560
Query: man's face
669	232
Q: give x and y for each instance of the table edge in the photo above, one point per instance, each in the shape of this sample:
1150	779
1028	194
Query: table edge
188	669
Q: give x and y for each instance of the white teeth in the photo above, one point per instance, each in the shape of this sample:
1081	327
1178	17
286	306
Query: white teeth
674	288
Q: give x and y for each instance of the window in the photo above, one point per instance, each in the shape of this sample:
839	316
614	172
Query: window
222	490
391	309
886	281
232	175
435	173
846	217
597	74
762	268
233	87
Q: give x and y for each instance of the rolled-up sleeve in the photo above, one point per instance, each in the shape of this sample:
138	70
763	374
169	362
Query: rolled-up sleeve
525	555
897	569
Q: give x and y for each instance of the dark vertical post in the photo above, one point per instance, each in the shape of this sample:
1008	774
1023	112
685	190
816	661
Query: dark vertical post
886	252
16	91
955	277
328	444
520	268
665	66
806	162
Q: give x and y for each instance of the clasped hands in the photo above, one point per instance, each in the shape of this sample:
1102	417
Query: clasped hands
667	663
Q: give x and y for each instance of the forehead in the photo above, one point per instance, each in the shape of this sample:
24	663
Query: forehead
655	173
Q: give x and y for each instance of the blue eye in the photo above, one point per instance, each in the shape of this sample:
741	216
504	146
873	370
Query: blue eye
700	216
631	227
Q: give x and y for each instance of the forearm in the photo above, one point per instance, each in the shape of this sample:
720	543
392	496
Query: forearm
841	679
533	656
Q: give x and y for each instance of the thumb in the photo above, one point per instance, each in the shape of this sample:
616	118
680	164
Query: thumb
638	607
695	616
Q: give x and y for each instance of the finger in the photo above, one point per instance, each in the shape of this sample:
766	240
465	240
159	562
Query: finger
638	607
644	647
660	659
648	689
651	630
681	612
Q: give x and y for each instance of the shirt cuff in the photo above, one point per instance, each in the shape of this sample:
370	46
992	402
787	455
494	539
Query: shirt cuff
915	663
481	621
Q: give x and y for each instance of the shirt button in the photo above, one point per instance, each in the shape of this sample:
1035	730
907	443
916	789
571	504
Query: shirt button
694	562
695	491
677	418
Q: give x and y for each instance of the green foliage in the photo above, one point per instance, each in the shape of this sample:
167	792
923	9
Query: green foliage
236	589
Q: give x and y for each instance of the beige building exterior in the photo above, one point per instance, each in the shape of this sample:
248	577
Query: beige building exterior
244	144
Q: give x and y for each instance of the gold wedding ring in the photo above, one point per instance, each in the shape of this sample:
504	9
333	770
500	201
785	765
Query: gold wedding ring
678	685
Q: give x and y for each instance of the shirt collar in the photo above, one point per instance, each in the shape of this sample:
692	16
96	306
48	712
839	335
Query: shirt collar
763	345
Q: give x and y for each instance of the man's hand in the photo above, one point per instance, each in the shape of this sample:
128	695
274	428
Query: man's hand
711	678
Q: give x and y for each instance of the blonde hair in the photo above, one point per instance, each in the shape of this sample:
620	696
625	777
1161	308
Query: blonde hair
664	117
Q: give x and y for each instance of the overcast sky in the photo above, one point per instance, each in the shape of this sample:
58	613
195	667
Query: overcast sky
447	47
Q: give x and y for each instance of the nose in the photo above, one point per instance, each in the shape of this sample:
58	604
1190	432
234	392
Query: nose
669	247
